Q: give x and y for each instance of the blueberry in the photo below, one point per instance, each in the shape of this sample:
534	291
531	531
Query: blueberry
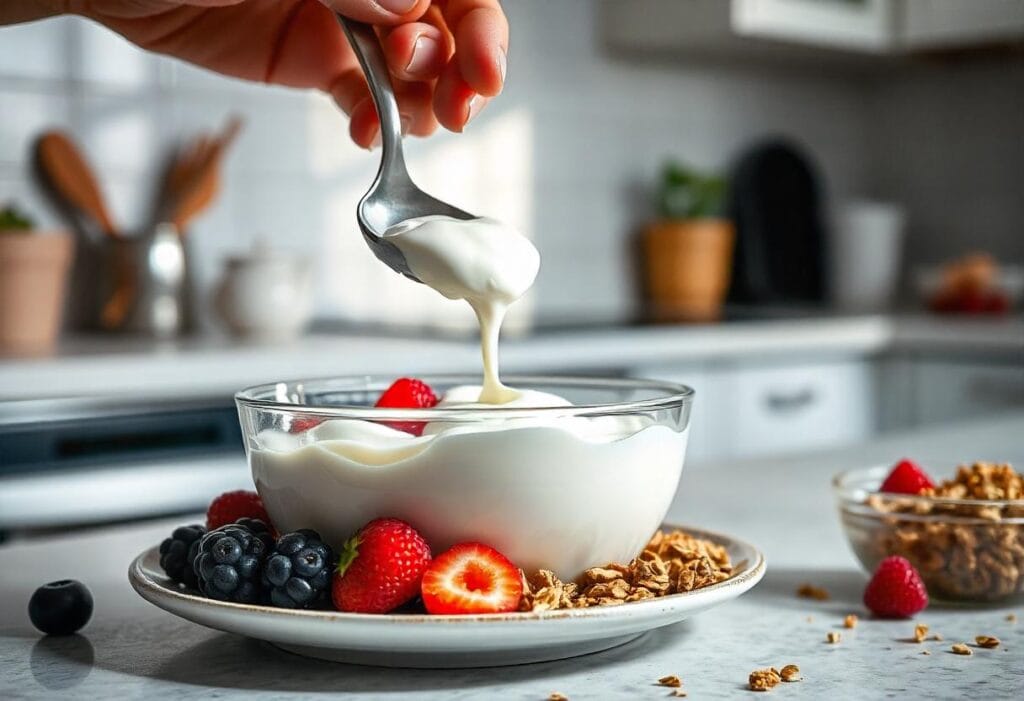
60	608
297	573
228	561
178	552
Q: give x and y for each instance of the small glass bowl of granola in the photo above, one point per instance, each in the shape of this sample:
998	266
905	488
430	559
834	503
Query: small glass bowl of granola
965	536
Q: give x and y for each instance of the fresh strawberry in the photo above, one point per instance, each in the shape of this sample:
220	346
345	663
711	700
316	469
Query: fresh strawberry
471	578
380	568
231	506
300	424
407	393
906	477
895	590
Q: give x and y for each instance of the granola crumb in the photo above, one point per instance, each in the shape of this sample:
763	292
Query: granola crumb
961	649
833	637
671	680
809	591
764	679
555	696
1011	618
790	673
925	652
938	637
987	641
810	619
679	693
850	621
920	633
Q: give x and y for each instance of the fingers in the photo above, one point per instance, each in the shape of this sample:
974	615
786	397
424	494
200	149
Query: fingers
416	51
384	12
414	106
455	102
481	43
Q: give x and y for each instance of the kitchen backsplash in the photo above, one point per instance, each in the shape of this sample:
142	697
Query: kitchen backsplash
554	155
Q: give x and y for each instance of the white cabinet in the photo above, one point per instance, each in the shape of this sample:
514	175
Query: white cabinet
946	390
744	409
767	28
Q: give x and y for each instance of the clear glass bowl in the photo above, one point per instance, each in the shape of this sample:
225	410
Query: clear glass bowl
967	550
561	488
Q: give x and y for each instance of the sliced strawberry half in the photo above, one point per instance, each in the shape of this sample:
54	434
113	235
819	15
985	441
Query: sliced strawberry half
906	477
407	393
301	424
471	578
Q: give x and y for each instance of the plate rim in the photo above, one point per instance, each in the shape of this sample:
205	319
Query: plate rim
151	590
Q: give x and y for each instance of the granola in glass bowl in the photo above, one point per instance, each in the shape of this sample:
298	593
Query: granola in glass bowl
964	535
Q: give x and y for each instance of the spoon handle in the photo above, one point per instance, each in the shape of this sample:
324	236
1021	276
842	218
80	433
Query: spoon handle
367	48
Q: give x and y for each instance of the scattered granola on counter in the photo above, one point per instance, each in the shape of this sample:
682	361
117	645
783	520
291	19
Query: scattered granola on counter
671	680
809	591
980	561
937	637
764	679
790	673
555	696
671	563
920	633
833	637
850	621
961	649
986	641
1011	618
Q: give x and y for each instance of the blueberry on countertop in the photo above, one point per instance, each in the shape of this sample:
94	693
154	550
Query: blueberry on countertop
60	608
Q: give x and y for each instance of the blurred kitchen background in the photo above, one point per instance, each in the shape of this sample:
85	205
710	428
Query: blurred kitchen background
809	210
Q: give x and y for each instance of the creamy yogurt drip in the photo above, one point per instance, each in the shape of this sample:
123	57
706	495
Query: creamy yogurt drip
483	261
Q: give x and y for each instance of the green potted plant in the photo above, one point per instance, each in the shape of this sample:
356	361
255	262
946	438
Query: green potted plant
33	277
688	249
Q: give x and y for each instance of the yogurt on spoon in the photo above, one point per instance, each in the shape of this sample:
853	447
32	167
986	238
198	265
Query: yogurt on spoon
483	261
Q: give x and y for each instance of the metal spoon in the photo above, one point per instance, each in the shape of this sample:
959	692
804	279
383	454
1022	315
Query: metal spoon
393	197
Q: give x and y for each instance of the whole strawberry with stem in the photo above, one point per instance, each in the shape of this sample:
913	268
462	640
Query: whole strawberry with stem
407	393
380	567
896	589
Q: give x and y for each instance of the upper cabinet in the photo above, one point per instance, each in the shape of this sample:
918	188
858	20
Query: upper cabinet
780	27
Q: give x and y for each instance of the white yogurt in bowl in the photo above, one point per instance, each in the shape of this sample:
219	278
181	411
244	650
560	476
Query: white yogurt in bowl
555	487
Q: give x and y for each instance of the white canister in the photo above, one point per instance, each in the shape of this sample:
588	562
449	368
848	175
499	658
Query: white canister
866	251
265	294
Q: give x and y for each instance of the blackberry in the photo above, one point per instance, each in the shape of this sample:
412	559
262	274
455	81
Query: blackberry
177	553
228	562
297	573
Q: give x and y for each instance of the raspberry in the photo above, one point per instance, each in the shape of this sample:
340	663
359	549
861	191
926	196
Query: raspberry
380	568
407	393
231	506
298	570
907	477
895	590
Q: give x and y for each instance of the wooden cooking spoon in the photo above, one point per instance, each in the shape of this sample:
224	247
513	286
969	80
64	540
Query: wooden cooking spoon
71	177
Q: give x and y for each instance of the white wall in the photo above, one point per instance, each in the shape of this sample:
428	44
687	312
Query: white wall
563	153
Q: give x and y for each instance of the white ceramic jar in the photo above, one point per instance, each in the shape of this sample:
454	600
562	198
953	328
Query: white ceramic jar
265	294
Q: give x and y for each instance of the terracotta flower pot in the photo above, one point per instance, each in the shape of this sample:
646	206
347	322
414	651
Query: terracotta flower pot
33	278
688	266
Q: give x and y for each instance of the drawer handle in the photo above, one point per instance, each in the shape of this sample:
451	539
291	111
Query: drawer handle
792	401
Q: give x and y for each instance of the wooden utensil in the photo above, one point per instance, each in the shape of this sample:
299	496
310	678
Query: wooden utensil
73	179
194	179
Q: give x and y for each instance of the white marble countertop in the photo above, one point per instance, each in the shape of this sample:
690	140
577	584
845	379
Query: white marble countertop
208	367
133	650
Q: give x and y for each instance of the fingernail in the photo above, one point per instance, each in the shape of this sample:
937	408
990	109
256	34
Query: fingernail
406	122
424	53
502	65
399	7
375	141
474	106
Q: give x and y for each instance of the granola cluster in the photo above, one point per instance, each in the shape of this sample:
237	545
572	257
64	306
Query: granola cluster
978	561
671	563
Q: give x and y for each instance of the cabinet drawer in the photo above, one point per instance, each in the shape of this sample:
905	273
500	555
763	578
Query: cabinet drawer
795	407
951	391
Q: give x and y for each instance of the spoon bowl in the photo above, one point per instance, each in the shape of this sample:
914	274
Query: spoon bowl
393	197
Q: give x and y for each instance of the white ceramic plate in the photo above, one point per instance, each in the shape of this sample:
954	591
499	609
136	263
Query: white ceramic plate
419	640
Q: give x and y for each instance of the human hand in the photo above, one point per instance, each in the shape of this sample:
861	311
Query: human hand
447	57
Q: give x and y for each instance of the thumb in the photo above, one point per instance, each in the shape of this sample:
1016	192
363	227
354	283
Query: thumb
385	12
